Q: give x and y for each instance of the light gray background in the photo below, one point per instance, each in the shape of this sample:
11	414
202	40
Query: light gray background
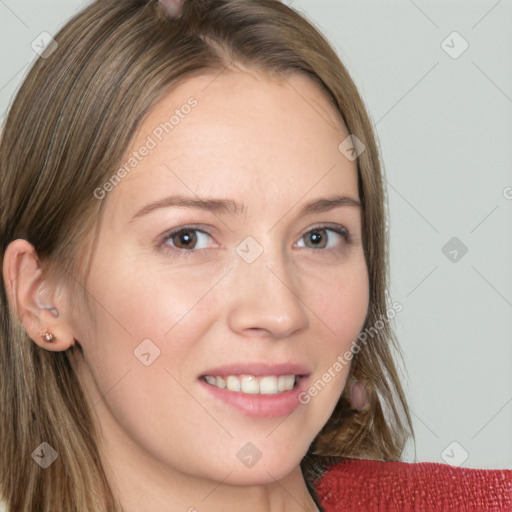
445	129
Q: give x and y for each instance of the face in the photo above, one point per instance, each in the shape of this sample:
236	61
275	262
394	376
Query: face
263	280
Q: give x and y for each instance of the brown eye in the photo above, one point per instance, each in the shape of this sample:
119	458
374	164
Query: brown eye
325	237
318	238
185	239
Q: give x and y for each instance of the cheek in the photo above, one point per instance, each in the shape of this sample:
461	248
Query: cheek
341	304
149	330
142	363
151	320
158	301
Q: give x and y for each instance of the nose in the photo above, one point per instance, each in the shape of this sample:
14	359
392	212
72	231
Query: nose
265	297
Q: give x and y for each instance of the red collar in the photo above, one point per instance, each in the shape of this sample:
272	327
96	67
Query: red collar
370	485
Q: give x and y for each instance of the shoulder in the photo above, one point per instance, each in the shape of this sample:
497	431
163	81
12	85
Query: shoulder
361	485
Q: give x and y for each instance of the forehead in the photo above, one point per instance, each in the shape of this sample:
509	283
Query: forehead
238	134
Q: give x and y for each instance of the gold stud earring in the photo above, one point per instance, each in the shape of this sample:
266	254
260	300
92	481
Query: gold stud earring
46	335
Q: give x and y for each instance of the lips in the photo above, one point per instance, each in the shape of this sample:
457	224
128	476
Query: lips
266	404
257	389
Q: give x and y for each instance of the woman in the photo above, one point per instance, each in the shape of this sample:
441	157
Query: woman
194	297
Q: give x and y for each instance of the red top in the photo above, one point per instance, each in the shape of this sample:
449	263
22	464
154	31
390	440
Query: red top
370	485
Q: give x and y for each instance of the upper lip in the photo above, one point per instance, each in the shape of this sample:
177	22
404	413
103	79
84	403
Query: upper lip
259	369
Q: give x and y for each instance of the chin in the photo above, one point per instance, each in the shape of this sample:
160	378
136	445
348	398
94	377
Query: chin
260	473
265	470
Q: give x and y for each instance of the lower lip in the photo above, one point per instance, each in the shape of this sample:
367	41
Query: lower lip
259	406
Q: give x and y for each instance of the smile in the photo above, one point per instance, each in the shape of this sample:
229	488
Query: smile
252	385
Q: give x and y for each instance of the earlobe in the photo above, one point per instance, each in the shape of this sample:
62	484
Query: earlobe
31	298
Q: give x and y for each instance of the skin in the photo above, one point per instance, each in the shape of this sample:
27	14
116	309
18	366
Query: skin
271	145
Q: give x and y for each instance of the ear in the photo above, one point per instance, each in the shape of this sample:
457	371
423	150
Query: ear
34	300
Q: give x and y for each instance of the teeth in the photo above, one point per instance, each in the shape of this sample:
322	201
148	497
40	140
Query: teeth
268	385
232	383
250	384
285	383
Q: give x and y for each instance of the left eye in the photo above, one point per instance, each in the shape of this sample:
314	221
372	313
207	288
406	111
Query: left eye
320	240
188	238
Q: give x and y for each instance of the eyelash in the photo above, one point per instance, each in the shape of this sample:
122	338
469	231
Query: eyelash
186	253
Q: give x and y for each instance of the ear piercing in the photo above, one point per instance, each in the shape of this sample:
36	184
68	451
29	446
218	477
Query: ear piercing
46	335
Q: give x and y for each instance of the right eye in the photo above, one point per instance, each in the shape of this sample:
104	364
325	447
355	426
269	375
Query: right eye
185	240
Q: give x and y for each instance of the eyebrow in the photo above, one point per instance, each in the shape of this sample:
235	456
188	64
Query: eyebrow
229	206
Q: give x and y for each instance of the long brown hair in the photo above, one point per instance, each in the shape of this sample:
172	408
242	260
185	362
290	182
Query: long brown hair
66	132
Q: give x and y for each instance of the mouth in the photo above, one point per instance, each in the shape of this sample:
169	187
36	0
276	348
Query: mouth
254	385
